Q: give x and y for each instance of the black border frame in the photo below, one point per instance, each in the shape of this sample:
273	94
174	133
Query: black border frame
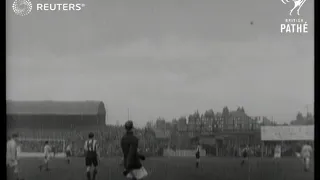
3	73
316	96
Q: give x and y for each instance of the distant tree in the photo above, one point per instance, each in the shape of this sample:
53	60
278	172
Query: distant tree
309	119
149	135
239	109
149	125
160	123
174	137
299	117
209	117
182	123
201	123
209	113
191	119
174	121
182	118
225	112
191	123
197	117
309	122
309	116
301	120
174	124
168	126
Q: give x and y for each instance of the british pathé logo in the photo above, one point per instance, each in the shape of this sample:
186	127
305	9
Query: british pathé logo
294	25
297	5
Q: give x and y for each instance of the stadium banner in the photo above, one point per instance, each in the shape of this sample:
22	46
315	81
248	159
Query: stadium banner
287	133
182	153
38	155
207	140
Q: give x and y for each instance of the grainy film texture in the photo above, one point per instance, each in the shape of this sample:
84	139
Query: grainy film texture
160	90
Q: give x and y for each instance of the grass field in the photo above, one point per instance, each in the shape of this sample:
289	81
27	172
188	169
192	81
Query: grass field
174	168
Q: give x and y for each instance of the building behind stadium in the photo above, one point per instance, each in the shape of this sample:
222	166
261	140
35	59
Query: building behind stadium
216	133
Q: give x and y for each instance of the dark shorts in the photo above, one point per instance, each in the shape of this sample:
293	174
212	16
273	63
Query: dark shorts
91	161
244	154
68	153
197	156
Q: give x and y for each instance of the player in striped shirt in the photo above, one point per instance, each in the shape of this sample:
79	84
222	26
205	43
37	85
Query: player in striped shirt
92	156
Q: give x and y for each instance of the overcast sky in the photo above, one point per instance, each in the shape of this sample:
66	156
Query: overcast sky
164	58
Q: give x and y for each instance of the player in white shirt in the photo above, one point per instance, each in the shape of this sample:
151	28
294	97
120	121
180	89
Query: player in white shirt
277	153
47	151
306	153
69	152
12	157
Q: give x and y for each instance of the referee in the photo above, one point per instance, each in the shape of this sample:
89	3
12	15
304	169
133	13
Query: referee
131	158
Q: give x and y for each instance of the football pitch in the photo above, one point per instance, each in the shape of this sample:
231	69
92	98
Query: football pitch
174	168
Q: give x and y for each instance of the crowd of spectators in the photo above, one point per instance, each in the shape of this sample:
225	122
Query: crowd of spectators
38	145
109	142
108	138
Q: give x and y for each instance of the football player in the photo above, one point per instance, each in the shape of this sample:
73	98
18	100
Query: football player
47	151
306	152
92	156
69	152
12	157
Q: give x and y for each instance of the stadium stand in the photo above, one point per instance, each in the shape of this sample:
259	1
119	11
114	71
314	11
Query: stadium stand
63	122
54	114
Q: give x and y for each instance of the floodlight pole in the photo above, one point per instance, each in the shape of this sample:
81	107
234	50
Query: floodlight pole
128	115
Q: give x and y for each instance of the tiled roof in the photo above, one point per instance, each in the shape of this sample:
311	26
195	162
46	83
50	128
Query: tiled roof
55	107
